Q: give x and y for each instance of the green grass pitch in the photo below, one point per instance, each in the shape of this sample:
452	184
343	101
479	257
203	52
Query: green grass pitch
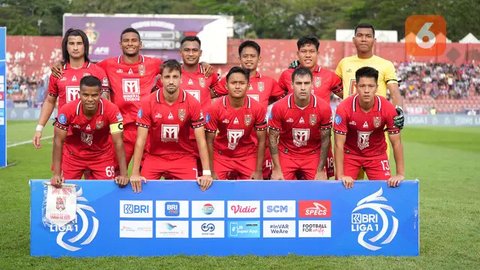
446	160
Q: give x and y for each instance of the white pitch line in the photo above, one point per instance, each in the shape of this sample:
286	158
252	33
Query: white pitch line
27	142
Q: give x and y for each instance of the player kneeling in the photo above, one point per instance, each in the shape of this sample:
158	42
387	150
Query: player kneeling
89	123
235	117
359	134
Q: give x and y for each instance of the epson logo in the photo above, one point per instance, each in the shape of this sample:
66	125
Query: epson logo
277	208
136	209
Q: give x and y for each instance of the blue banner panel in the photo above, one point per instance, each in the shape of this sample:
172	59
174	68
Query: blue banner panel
232	218
3	98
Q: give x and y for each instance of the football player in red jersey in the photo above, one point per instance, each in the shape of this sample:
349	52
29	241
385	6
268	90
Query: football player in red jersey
66	87
235	117
300	126
360	142
91	120
167	116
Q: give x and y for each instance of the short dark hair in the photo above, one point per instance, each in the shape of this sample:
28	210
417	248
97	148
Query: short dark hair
171	64
367	72
302	71
240	70
90	81
76	33
190	38
310	39
248	43
130	30
364	25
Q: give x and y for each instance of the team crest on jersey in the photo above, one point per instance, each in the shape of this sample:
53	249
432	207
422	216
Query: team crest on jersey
318	81
99	124
248	119
313	119
141	69
86	138
363	139
261	86
201	81
181	114
377	121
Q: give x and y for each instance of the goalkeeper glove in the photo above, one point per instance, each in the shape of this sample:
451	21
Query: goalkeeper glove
399	120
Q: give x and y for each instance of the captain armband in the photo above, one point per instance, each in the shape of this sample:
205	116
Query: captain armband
116	127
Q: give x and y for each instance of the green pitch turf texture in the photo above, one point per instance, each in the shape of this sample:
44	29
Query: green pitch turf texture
446	160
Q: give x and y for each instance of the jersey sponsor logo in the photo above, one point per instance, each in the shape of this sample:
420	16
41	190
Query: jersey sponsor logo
181	114
131	89
365	125
194	93
130	71
86	74
201	81
158	116
300	136
190	82
86	138
289	120
377	121
352	123
363	139
254	96
234	136
74	78
375	222
248	119
170	132
301	121
235	121
315	209
73	93
226	121
313	119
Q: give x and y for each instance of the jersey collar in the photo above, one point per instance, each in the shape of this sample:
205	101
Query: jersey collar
247	104
377	105
182	96
291	102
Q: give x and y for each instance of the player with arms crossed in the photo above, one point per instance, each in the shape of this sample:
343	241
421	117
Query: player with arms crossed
66	88
235	117
91	120
167	116
360	142
299	127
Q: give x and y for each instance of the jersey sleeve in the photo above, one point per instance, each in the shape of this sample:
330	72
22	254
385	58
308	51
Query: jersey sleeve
115	118
337	85
388	115
260	120
52	86
326	115
341	119
211	118
285	82
196	112
144	114
63	120
390	74
220	88
275	118
339	69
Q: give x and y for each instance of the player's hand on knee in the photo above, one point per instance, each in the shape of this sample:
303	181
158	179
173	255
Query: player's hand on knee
136	182
56	181
347	181
122	180
394	181
205	181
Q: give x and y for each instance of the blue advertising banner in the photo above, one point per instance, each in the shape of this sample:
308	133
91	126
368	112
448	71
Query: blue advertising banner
3	98
232	218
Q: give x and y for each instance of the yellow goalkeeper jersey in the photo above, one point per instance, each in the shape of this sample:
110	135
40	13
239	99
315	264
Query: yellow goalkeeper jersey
349	65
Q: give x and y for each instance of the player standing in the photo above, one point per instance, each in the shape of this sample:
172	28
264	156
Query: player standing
91	120
66	87
235	117
167	116
300	126
360	142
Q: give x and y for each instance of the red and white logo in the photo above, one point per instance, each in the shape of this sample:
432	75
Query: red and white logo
300	136
73	93
234	136
315	209
131	89
170	132
243	209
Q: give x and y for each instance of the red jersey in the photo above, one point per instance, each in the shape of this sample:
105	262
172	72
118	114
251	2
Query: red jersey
235	126
325	82
169	125
197	85
130	83
365	130
300	128
90	138
262	89
67	88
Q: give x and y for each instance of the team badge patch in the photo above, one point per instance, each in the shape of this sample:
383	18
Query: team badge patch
338	119
377	121
313	119
201	81
261	86
181	114
248	119
318	81
120	117
141	70
207	118
99	124
140	113
62	119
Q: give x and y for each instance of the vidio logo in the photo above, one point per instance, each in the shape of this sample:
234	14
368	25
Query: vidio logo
372	217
